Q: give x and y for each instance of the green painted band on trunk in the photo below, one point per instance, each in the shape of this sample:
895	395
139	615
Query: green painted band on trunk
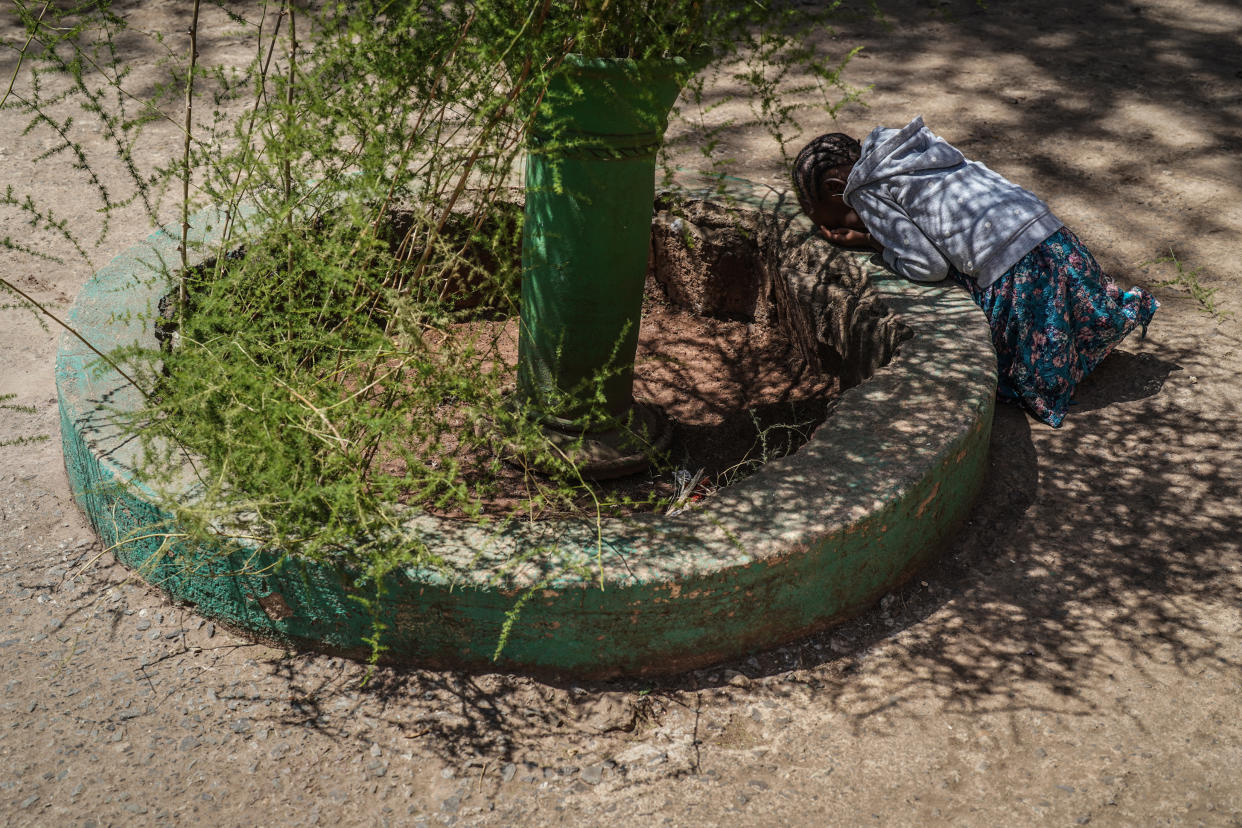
805	542
590	182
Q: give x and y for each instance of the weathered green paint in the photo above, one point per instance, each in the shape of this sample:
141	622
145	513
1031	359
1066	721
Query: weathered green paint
807	541
590	181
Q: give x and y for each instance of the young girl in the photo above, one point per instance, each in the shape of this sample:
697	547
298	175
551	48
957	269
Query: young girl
931	213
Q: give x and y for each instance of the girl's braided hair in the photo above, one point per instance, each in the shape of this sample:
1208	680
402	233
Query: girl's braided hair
834	149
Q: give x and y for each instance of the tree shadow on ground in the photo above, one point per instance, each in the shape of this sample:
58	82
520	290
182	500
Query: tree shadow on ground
1088	554
1076	555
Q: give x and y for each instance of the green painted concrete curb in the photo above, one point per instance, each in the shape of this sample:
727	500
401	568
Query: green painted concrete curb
807	541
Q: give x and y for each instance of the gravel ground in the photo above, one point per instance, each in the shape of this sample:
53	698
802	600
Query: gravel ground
1073	658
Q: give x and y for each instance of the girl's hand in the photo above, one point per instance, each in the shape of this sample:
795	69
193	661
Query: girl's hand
845	237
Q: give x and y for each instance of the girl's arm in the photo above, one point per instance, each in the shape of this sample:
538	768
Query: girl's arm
855	239
904	246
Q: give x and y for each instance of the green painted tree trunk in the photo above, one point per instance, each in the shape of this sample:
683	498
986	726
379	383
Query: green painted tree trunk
590	184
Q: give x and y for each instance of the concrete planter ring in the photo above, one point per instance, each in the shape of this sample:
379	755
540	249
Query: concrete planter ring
807	541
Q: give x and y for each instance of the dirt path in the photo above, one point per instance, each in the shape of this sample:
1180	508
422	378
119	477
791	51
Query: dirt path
1075	657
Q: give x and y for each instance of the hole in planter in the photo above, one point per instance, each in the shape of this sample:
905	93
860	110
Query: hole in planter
750	333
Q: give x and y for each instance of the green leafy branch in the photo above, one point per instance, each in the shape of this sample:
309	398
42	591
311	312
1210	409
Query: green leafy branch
1189	280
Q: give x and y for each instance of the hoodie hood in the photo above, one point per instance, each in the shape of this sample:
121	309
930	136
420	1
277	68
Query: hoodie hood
910	150
931	209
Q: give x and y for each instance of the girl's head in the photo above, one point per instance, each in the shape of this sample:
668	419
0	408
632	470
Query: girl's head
819	175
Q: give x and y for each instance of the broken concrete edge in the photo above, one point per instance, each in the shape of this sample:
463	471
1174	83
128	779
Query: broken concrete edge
804	543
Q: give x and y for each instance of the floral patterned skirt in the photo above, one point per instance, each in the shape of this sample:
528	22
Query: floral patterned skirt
1054	317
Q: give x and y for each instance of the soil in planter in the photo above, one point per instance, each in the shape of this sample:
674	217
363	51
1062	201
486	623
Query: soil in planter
734	391
712	354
